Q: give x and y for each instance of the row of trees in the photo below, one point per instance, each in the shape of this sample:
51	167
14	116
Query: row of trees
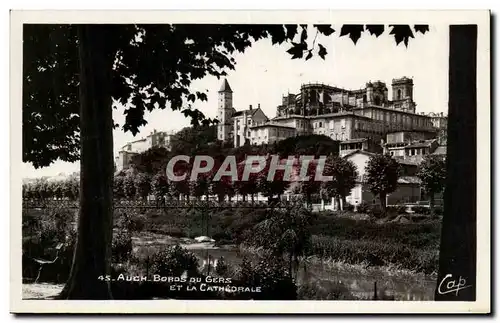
382	173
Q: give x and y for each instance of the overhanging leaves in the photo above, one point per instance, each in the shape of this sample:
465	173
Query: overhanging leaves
401	33
353	31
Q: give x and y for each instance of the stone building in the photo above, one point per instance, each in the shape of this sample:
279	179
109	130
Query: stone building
235	126
133	148
408	190
359	119
440	123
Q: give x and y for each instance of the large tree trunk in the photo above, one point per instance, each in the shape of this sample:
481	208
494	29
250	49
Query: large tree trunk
457	255
93	248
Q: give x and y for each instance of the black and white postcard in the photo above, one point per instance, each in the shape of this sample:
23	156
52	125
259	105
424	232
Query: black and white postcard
250	162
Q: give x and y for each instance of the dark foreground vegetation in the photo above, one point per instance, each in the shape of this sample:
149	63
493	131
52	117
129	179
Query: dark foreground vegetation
327	236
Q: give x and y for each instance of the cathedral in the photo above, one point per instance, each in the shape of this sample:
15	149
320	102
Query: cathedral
360	119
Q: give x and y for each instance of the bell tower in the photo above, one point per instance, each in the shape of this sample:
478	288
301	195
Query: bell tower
224	111
402	94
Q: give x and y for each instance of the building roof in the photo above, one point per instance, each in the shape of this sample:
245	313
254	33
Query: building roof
225	87
411	131
440	150
409	180
272	125
421	144
359	151
249	112
353	141
407	162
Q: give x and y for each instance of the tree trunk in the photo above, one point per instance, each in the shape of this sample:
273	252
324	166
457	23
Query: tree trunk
92	255
457	256
383	204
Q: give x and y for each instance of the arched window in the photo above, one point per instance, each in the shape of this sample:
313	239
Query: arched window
399	94
364	98
377	100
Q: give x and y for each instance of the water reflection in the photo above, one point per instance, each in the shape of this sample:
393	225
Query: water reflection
389	287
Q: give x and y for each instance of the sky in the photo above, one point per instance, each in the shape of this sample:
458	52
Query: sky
264	73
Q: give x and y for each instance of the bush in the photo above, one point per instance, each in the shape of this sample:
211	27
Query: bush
376	211
131	220
348	207
222	268
122	246
271	275
324	290
421	210
174	261
396	209
363	207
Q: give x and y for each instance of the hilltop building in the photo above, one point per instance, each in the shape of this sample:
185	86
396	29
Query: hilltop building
133	148
359	119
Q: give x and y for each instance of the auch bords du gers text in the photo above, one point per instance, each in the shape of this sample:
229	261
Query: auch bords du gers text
189	284
293	168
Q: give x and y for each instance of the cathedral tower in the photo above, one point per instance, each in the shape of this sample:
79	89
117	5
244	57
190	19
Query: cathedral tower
224	111
402	94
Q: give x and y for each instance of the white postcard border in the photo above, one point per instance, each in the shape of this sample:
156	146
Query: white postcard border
478	17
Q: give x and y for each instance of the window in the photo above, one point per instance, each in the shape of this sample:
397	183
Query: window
399	94
392	153
321	124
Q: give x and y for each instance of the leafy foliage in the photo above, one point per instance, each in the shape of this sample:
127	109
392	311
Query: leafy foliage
382	173
276	186
285	232
311	185
432	173
151	67
129	187
344	175
173	261
142	183
159	185
119	187
271	275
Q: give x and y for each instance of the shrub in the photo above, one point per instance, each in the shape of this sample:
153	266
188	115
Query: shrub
376	211
396	209
122	246
222	268
348	207
271	275
324	290
421	210
174	261
131	220
363	207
